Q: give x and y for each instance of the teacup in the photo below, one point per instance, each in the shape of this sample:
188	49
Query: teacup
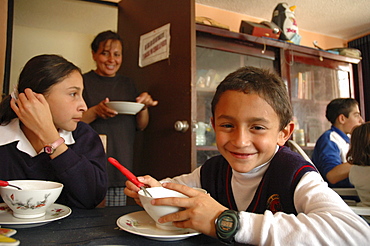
158	211
34	198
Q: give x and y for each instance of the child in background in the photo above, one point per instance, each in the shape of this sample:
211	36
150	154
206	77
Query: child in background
42	136
359	156
260	192
332	146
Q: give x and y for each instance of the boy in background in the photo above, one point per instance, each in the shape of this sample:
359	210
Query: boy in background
331	148
260	192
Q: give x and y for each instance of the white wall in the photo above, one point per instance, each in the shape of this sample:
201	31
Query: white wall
64	27
3	25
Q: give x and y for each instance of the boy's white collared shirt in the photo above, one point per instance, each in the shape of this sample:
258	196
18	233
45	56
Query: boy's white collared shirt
12	133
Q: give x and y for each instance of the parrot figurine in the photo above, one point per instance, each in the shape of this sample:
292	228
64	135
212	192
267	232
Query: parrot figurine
283	17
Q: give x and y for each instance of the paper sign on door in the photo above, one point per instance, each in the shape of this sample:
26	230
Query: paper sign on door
154	46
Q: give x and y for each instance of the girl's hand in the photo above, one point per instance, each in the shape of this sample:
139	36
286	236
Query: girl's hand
33	111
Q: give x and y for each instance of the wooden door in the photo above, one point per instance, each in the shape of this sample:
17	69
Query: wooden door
160	150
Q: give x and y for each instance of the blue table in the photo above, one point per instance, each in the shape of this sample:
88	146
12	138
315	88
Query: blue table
96	227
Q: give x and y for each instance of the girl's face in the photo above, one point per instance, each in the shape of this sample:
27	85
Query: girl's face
66	102
247	130
108	58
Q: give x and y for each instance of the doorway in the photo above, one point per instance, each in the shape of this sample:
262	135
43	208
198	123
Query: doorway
63	27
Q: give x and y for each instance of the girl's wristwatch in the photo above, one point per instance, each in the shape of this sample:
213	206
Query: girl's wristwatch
227	225
50	148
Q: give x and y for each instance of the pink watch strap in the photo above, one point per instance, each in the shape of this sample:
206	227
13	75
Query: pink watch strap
57	143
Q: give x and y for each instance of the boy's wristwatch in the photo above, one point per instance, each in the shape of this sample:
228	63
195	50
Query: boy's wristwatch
50	148
227	225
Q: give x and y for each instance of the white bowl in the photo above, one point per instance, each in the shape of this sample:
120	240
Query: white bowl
158	211
125	107
34	198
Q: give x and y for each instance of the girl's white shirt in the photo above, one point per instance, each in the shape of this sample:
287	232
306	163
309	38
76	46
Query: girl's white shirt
359	177
12	132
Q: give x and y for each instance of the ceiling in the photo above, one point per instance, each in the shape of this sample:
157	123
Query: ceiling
345	19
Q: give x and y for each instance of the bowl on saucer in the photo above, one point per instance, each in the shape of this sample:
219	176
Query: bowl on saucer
158	211
33	199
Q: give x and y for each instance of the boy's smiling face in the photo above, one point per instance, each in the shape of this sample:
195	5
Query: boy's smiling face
247	130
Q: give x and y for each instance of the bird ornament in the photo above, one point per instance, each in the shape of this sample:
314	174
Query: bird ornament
284	17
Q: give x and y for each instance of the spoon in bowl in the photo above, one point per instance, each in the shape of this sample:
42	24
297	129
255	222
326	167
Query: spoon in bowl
129	175
6	183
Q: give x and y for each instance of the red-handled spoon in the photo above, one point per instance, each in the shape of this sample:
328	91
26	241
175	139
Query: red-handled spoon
129	175
6	183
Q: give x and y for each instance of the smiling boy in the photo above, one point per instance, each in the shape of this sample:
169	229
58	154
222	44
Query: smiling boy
260	192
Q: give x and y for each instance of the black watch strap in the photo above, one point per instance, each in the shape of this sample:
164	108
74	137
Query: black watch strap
227	225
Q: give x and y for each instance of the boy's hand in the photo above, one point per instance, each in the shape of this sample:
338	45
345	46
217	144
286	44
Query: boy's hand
200	213
131	190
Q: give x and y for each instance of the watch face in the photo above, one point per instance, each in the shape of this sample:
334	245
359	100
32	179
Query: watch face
48	149
226	223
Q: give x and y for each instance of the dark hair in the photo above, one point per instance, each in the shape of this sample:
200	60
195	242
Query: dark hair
39	74
339	106
104	37
266	84
359	150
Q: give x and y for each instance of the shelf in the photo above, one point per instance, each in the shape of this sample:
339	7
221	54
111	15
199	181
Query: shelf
299	100
273	43
206	90
206	148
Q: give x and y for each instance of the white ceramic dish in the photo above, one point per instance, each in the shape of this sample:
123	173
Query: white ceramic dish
140	223
158	211
125	107
54	212
34	198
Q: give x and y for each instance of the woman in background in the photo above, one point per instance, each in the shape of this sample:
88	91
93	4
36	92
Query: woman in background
102	85
42	136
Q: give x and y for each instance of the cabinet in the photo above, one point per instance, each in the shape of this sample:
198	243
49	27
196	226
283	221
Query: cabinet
313	82
213	63
313	77
200	56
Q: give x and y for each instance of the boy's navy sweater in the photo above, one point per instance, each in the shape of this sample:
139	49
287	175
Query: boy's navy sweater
275	191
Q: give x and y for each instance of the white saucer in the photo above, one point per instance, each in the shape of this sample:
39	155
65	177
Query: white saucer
54	212
140	223
123	107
